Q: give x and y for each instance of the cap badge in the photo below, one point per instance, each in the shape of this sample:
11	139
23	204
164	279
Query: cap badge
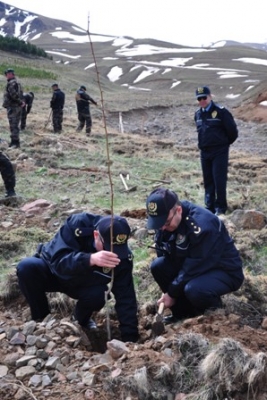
200	90
152	208
120	239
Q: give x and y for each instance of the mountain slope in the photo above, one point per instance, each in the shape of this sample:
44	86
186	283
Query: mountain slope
230	68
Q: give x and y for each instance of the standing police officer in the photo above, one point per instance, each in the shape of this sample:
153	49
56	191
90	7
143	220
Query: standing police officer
197	260
13	102
57	104
83	101
78	261
28	99
217	130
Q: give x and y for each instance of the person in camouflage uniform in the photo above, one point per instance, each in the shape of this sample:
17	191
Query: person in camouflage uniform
28	99
57	104
83	101
14	103
8	175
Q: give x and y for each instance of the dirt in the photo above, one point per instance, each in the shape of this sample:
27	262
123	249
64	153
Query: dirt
242	319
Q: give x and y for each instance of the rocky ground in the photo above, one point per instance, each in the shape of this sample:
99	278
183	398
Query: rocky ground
221	355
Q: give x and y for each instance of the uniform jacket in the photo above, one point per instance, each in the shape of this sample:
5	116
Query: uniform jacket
13	95
58	100
215	127
28	99
83	101
68	256
200	243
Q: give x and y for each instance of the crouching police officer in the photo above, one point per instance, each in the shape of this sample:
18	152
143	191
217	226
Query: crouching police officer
78	262
197	260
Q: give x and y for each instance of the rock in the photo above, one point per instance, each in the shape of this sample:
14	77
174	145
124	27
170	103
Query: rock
21	362
24	372
248	219
116	348
88	378
18	338
3	370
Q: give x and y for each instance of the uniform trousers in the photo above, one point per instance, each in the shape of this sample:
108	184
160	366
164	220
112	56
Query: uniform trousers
35	279
13	115
214	163
199	293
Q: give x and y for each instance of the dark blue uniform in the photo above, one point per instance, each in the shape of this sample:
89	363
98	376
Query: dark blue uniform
197	263
63	265
216	131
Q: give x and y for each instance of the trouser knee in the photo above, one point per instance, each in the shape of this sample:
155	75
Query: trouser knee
200	299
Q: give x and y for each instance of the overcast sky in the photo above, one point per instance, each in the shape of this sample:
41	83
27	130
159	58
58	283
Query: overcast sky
190	22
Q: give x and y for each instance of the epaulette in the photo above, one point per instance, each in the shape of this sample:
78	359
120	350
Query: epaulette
191	223
84	231
219	106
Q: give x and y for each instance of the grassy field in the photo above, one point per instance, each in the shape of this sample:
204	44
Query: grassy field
74	172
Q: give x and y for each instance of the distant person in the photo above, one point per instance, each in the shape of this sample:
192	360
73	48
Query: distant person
197	261
83	101
217	130
78	262
8	175
13	102
57	104
28	100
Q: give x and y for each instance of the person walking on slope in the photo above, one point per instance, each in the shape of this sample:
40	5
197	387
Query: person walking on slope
57	104
217	130
83	101
13	102
28	100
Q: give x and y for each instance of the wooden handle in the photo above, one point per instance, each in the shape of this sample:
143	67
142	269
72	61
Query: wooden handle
124	183
161	308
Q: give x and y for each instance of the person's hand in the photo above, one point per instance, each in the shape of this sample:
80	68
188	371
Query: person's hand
167	300
104	258
22	104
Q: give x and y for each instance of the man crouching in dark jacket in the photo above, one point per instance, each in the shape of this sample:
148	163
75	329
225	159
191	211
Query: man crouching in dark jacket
78	262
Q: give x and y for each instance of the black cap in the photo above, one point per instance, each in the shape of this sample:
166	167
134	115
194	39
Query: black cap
54	85
202	91
9	70
159	203
83	87
32	94
121	232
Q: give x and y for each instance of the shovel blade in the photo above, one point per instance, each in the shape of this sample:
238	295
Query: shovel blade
158	328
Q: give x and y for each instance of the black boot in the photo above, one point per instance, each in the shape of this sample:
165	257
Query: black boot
14	144
10	193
